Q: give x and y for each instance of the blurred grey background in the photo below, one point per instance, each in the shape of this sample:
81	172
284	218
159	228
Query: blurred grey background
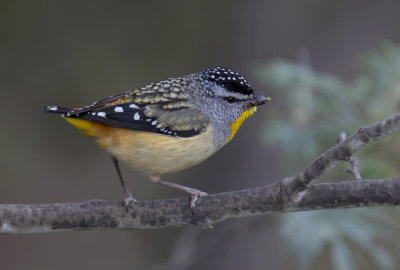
72	53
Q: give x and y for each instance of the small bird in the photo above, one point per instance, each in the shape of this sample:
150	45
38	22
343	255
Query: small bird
170	125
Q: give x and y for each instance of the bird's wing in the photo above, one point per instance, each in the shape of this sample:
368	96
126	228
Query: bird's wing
161	107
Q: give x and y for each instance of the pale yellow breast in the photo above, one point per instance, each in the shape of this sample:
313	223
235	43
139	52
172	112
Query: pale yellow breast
152	154
156	154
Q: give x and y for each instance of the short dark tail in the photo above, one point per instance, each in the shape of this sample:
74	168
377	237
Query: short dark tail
56	109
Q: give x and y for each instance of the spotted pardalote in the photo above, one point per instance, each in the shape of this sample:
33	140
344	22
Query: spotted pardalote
170	125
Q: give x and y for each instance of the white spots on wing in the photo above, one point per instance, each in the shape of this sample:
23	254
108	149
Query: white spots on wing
118	109
154	123
101	114
52	108
133	106
158	126
136	116
93	113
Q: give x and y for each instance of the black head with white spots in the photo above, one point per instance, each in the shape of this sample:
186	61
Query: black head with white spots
224	95
228	79
228	89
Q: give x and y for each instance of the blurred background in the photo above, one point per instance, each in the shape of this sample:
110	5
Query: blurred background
329	66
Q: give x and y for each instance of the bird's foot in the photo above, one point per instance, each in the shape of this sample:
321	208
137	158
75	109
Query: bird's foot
128	198
195	195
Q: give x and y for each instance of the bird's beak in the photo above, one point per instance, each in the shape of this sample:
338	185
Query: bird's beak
258	100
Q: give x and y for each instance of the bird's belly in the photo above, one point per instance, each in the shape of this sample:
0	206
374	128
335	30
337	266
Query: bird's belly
155	154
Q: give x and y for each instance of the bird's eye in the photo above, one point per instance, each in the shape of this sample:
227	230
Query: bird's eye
230	99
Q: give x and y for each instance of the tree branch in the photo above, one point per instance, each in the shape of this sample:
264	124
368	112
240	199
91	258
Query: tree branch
352	160
342	152
290	194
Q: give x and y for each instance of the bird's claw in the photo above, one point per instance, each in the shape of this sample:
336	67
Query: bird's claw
128	198
195	196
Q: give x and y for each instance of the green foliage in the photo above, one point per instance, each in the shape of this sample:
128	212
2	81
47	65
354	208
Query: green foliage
314	109
319	106
351	236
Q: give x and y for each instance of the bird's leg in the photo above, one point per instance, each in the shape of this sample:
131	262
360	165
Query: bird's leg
195	193
128	198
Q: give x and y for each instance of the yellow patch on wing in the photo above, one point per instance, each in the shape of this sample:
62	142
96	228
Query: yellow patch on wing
236	125
89	128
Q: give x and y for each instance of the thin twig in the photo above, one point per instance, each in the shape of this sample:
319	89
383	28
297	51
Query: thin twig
342	152
354	170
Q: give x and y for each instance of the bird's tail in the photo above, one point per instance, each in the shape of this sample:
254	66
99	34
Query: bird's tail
81	122
58	110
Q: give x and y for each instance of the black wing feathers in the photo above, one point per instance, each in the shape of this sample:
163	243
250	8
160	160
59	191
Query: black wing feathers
127	115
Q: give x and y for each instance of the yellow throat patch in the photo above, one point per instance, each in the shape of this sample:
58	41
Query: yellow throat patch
236	125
